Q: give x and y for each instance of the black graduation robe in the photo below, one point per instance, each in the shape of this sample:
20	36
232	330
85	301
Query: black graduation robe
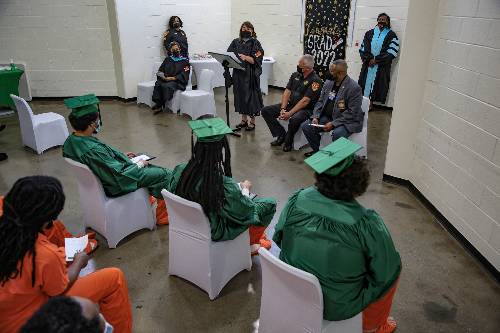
246	84
171	66
383	46
178	36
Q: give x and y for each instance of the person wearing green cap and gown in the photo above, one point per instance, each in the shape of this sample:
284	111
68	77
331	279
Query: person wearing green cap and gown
206	179
323	230
117	173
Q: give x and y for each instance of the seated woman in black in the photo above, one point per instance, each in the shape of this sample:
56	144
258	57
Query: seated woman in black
172	75
175	33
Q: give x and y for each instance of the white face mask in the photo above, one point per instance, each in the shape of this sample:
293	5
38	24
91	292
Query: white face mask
98	127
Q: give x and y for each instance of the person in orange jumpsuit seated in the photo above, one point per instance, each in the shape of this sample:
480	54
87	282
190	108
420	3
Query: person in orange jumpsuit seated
58	232
33	269
63	314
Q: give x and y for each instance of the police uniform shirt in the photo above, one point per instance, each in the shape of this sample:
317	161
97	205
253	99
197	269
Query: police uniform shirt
304	87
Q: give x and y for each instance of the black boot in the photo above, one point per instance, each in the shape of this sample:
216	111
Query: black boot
3	156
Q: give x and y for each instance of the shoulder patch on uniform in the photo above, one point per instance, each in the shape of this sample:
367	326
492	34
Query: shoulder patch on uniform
315	86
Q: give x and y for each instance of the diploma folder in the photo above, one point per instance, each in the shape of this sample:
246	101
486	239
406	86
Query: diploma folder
231	62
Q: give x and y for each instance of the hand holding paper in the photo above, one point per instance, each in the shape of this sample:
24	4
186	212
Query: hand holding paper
75	245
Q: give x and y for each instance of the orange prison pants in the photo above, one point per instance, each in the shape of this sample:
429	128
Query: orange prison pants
376	314
108	288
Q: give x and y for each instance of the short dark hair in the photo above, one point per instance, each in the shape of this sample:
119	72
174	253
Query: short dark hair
350	183
60	314
388	19
81	124
171	22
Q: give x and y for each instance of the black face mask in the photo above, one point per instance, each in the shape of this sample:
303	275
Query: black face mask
176	53
176	25
246	34
382	25
299	70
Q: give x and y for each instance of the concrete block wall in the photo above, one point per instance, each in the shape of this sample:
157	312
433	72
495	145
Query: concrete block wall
142	23
457	160
278	26
66	45
365	19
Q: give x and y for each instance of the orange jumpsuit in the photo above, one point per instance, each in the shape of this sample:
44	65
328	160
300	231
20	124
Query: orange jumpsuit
19	299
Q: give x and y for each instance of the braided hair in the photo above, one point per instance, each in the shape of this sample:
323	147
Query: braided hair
30	204
202	179
61	314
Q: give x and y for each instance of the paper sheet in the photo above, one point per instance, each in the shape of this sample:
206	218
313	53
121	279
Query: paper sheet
74	245
140	157
317	125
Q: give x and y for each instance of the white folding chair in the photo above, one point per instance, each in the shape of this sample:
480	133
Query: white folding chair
201	101
113	218
360	138
175	103
192	253
292	301
299	140
41	131
145	89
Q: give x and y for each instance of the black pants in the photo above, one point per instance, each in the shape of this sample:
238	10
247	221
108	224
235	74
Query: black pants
272	112
163	92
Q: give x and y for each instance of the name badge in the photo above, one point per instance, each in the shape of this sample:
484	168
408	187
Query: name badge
341	105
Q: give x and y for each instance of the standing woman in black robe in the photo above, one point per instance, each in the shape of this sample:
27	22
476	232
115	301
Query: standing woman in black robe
175	33
172	75
246	89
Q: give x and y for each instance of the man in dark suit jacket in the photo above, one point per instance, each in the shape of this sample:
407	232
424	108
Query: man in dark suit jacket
338	108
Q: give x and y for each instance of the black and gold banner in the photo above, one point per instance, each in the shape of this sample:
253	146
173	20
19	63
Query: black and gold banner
325	31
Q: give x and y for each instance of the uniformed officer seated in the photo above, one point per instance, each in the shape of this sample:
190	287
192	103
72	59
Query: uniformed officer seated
297	102
338	108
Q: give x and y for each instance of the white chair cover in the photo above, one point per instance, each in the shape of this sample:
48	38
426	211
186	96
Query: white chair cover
42	131
175	103
299	140
292	301
192	254
113	218
145	89
200	102
360	138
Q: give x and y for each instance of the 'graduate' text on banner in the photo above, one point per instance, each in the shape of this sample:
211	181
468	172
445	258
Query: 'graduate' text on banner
325	31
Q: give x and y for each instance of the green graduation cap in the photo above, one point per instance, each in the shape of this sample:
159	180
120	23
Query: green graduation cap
82	105
334	158
209	130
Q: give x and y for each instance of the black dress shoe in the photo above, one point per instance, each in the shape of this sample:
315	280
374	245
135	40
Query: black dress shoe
2	127
3	156
310	153
287	147
278	142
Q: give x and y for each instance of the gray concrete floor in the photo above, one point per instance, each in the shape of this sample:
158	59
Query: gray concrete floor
442	288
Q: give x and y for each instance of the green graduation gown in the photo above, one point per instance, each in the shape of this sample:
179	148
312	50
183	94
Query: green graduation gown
347	247
118	174
239	212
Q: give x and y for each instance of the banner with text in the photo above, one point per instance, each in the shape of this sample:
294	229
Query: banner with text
325	31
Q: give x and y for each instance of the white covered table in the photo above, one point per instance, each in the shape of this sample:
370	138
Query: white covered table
212	64
218	80
267	69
